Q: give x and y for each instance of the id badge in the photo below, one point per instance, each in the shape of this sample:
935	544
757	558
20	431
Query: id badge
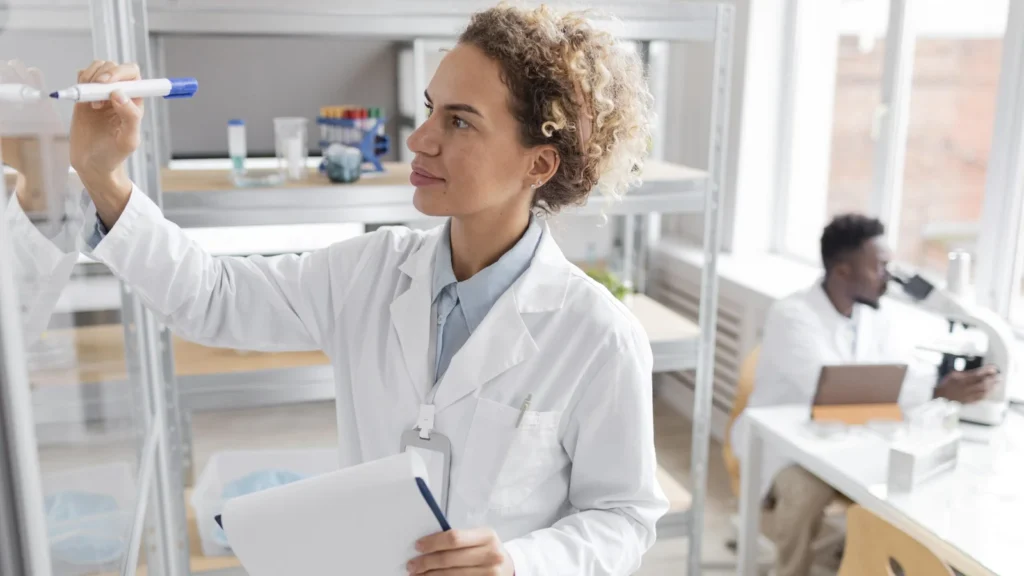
436	451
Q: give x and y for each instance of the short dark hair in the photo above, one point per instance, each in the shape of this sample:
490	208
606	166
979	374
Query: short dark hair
847	233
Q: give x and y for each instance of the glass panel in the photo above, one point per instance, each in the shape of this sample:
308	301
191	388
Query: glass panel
86	409
859	68
952	113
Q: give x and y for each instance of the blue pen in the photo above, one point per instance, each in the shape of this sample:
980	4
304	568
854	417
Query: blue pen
162	87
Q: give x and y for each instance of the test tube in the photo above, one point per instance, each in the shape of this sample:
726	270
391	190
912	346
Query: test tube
342	128
380	125
236	146
339	130
353	132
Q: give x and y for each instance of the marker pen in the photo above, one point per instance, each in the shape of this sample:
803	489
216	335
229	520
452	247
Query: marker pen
165	87
19	93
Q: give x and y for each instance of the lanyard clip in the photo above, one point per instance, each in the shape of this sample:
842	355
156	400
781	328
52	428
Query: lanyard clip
425	423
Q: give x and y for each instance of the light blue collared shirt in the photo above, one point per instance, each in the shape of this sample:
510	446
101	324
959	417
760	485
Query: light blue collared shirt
462	306
99	232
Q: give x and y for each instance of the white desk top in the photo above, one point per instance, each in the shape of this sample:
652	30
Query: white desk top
974	515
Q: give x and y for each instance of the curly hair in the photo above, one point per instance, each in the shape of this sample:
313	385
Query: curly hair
846	233
559	71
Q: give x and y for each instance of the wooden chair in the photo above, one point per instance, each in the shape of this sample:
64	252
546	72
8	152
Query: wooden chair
872	544
744	387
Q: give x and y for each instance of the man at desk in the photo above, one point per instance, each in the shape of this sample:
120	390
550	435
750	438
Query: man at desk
840	319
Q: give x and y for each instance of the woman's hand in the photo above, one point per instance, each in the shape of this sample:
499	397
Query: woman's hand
476	552
103	135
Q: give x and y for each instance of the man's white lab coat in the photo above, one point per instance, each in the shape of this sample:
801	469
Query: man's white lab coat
805	332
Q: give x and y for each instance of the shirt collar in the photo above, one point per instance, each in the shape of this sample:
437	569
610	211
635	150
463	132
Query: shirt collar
829	312
478	293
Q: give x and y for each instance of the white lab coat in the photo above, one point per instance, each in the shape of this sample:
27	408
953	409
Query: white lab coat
570	491
805	332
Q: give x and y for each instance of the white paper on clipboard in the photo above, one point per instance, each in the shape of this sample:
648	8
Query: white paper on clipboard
361	520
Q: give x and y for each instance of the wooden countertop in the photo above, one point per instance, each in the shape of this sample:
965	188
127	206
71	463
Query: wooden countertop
100	357
175	181
183	181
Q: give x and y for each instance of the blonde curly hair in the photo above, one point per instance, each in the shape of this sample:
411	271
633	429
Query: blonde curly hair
561	71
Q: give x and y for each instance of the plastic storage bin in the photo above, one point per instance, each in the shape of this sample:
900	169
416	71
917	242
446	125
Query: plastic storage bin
90	515
226	467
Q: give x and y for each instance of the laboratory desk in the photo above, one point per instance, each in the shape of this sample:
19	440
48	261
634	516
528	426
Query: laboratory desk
970	516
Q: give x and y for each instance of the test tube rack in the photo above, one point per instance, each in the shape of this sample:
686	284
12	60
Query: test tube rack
370	138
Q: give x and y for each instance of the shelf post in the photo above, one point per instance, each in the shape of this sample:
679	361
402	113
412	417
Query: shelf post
722	71
121	34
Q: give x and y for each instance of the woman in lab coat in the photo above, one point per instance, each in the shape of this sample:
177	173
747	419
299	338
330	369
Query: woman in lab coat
538	377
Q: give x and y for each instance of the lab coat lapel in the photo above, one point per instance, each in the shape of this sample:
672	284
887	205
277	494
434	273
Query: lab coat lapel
410	315
503	340
500	342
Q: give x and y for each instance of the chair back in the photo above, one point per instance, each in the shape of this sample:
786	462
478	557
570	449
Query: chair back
744	386
873	546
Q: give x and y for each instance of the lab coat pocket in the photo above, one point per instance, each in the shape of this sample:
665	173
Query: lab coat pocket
532	455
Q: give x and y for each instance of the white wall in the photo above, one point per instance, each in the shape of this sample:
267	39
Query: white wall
258	78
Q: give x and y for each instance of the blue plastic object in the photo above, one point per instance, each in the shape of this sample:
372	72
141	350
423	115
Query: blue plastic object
85	529
252	483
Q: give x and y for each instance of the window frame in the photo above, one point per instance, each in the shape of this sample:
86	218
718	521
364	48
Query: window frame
1001	243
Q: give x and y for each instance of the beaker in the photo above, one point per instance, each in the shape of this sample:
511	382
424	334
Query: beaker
290	144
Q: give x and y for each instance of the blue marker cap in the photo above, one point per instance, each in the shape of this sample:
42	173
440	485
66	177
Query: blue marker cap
183	87
236	122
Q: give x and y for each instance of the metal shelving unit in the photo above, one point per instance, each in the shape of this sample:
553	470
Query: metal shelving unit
204	198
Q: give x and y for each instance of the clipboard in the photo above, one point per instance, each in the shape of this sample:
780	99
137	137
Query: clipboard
428	496
366	517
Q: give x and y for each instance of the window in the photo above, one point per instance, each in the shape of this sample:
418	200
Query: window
923	112
836	76
860	64
951	119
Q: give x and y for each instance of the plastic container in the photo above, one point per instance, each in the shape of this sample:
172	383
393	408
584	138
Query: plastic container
226	467
342	164
290	144
86	542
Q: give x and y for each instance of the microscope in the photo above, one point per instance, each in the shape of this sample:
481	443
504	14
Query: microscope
952	302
